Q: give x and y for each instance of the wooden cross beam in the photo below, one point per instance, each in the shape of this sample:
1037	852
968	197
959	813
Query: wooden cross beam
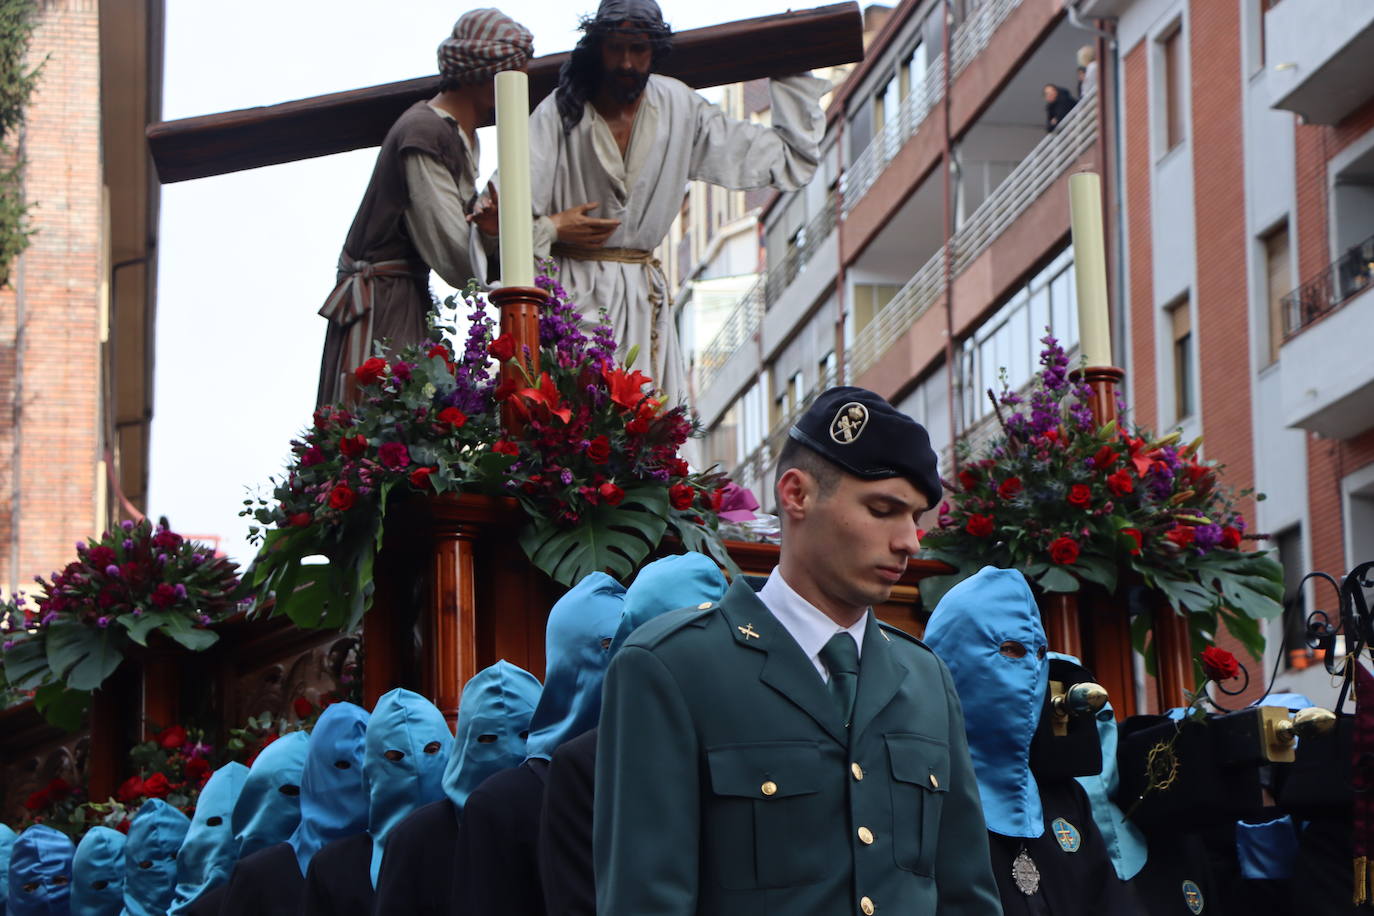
232	141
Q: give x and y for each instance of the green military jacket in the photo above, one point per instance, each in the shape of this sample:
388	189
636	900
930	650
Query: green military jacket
727	782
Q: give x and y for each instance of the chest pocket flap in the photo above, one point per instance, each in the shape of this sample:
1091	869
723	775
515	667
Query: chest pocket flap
920	761
767	770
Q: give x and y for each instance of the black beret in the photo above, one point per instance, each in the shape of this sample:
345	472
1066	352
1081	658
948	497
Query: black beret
868	437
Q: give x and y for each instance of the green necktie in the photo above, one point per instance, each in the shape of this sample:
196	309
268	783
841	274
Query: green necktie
841	658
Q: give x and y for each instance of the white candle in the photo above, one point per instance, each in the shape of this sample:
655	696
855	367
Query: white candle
1090	268
513	160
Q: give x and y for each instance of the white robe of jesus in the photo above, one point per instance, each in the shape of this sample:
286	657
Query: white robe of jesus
677	136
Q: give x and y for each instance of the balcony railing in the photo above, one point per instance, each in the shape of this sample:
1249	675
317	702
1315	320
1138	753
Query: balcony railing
1031	177
865	169
738	329
1045	163
781	275
905	309
753	471
975	32
1328	290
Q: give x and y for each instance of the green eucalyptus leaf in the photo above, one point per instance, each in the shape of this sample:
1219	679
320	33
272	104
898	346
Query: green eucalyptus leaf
610	539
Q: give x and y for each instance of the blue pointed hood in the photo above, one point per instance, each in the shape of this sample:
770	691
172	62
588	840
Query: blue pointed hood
208	853
7	838
1001	696
408	743
269	806
150	863
333	793
577	643
497	703
98	873
1125	843
681	581
40	872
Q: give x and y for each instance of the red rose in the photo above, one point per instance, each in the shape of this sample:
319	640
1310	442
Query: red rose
1064	551
353	446
101	556
123	826
37	801
613	494
599	450
302	707
1182	535
1218	664
1230	537
299	520
164	595
681	495
167	540
968	480
131	790
341	498
504	390
1120	483
58	789
198	770
453	417
420	477
1009	487
172	738
439	350
503	348
311	457
980	526
637	427
678	467
506	447
371	372
156	786
1080	495
1135	535
393	455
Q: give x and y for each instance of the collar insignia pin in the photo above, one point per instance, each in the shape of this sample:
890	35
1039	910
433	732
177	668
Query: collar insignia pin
748	631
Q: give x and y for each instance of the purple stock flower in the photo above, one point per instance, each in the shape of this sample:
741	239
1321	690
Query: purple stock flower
566	476
1206	537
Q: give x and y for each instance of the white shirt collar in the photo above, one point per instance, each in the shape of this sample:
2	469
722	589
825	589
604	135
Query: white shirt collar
805	622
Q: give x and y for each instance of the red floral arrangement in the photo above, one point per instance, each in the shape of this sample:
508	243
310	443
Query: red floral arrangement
596	463
1067	502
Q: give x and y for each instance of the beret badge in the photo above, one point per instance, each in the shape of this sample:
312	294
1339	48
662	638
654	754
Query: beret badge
849	423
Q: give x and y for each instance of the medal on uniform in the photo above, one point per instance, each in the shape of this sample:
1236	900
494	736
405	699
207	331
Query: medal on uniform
1192	896
1025	874
1067	835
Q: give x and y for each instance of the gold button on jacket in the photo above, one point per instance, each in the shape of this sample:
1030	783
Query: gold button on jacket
865	836
867	906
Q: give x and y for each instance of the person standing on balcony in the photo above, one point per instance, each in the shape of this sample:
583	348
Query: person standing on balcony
414	214
618	139
786	751
1058	103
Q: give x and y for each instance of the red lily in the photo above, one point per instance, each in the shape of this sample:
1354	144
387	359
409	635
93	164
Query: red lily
627	388
547	395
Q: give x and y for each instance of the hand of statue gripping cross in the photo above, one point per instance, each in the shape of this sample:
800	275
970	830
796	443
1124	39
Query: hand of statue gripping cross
486	212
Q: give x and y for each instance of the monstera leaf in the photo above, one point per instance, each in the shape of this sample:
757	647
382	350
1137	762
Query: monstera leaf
82	656
26	661
610	539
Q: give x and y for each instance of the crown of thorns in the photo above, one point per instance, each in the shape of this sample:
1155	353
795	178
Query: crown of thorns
617	25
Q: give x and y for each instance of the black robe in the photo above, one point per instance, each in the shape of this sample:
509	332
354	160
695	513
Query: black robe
208	903
339	880
566	867
419	870
267	883
500	842
1078	883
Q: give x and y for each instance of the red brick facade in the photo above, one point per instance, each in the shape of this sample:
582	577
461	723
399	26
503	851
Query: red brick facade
50	314
1140	278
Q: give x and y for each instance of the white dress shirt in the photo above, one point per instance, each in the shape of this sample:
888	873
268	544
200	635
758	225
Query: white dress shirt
805	622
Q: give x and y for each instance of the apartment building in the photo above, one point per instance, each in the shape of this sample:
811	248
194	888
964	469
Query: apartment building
76	318
1236	144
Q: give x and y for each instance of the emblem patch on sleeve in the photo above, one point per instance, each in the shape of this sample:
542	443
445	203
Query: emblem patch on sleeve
1067	835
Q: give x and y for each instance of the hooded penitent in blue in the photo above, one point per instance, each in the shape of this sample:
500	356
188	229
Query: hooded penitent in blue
40	872
150	858
333	794
664	585
1125	843
408	743
493	727
577	649
209	852
98	873
269	806
1001	695
7	837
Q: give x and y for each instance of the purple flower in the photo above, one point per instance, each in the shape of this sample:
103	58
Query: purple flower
80	546
138	611
127	525
9	644
1206	537
102	622
197	559
112	571
48	618
566	476
203	618
180	590
128	544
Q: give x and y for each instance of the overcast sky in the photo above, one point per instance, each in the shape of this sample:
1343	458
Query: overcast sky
245	260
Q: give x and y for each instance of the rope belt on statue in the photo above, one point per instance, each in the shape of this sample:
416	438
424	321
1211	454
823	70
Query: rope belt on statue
625	256
350	304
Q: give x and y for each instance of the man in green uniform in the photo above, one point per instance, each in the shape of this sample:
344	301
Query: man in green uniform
786	752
